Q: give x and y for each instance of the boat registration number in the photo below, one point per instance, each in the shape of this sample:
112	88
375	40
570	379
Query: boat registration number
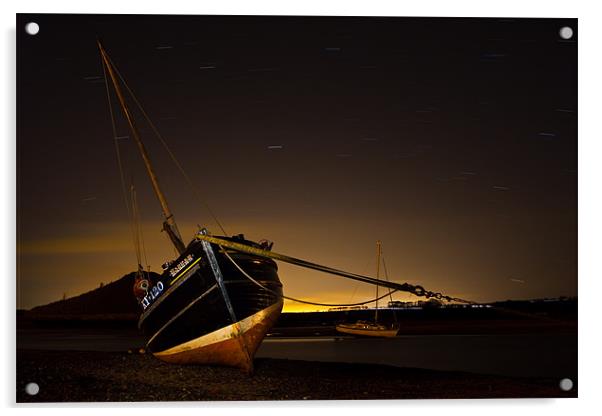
152	294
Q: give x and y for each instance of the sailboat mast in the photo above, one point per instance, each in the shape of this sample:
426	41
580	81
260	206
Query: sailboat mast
378	252
169	225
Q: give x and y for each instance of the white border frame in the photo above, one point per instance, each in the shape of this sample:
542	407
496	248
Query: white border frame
590	200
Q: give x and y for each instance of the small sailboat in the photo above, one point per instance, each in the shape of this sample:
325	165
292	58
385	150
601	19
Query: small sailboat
368	328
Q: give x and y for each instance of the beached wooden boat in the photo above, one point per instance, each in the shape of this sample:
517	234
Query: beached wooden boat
202	309
217	300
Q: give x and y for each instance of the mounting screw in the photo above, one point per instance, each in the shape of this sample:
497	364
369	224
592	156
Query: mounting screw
566	384
32	28
32	389
566	32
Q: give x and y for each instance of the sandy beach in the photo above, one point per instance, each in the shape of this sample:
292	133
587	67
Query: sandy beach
89	376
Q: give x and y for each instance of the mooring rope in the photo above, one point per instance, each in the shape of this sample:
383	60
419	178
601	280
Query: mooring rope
300	300
406	287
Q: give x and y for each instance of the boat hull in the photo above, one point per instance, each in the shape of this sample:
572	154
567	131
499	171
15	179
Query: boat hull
234	345
367	332
204	317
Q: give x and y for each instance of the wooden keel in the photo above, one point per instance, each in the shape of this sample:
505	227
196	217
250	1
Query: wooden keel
234	345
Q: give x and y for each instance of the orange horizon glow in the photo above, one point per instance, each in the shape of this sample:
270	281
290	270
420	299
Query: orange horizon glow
71	265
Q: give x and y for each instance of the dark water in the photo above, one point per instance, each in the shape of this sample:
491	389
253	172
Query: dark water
541	355
525	355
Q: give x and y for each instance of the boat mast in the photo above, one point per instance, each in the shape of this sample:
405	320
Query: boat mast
378	252
169	224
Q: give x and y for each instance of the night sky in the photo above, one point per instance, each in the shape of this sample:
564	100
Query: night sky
453	141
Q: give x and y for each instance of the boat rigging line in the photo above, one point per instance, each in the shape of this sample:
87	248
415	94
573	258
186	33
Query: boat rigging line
386	273
356	284
405	287
387	279
140	247
169	223
129	205
172	156
378	253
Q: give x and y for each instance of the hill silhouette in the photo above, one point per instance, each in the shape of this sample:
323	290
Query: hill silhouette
114	299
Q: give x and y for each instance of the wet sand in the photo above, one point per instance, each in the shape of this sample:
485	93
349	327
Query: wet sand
118	376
